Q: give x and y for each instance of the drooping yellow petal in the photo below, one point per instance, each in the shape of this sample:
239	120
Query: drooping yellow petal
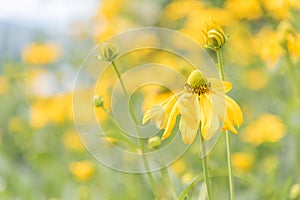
171	120
206	113
168	105
217	85
160	113
218	103
234	115
189	109
190	117
188	134
157	113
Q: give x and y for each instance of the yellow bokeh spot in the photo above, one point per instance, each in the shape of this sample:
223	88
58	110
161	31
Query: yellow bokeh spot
267	128
278	8
55	110
250	9
40	54
179	166
242	161
293	46
267	44
255	79
72	141
82	170
3	85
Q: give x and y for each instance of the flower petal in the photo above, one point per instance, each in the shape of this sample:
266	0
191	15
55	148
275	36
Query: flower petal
218	102
233	115
171	121
205	114
190	117
189	109
160	113
219	86
209	118
188	134
157	113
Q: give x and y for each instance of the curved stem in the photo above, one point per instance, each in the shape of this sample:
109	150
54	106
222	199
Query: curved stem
131	110
230	176
205	170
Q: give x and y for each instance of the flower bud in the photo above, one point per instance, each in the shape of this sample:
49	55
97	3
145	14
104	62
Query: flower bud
214	36
98	101
108	52
154	142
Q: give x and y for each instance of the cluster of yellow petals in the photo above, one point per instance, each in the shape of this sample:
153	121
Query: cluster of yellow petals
267	128
54	110
242	161
82	170
40	54
204	108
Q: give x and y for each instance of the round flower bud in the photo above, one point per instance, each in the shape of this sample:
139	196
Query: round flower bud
108	52
214	36
154	142
98	101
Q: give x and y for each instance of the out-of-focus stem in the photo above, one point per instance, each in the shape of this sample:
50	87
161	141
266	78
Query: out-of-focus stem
131	110
205	170
230	176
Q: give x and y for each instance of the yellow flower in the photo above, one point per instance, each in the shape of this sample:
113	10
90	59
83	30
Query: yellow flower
293	45
255	79
250	9
40	54
72	141
202	103
268	47
214	36
55	110
267	128
3	85
82	170
179	166
242	161
280	9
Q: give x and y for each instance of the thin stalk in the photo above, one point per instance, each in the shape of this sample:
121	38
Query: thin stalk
230	176
205	170
166	176
131	110
293	76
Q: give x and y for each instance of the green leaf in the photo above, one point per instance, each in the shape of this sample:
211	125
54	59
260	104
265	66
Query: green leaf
183	195
119	136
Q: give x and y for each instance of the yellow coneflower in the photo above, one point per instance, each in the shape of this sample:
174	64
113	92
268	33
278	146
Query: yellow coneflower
201	103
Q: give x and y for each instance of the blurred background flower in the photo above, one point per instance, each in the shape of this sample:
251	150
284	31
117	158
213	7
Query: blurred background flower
43	44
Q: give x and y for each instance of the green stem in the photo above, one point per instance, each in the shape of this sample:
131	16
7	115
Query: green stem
293	77
230	176
220	64
205	170
166	176
131	110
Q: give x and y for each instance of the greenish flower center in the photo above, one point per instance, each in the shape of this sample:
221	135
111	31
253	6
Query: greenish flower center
197	83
